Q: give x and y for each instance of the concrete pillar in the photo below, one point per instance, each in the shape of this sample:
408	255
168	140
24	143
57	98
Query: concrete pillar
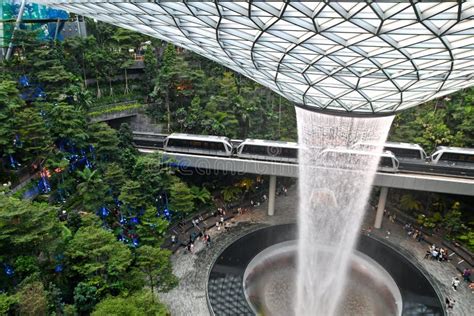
381	207
271	195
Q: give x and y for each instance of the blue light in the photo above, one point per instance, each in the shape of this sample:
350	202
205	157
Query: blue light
59	268
24	81
43	185
135	242
13	163
104	212
88	164
134	220
8	270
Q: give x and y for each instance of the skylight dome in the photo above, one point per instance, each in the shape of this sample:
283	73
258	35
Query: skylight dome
356	57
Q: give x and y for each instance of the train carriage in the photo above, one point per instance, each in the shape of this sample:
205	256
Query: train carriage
357	159
453	156
403	151
198	144
268	150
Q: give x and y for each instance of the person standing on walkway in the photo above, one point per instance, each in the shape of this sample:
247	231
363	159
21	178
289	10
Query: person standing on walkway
455	283
466	274
449	303
208	240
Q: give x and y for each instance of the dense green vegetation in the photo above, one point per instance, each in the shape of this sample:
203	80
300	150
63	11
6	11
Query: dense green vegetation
89	242
90	239
448	121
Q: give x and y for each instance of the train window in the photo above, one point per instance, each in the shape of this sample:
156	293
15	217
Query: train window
404	152
253	150
386	162
289	152
455	157
196	144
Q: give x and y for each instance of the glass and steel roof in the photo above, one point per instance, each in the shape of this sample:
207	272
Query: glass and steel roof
358	57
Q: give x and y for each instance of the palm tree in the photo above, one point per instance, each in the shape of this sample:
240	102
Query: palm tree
201	194
408	202
92	190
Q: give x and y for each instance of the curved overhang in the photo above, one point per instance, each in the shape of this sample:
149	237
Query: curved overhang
352	57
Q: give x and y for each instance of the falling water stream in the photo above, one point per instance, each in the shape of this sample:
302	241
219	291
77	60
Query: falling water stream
335	179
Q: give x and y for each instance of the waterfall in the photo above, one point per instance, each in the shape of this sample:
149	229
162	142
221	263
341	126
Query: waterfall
335	179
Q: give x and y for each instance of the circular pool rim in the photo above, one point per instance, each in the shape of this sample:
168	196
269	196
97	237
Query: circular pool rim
269	235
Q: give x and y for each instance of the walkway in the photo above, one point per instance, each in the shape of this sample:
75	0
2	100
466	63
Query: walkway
189	298
441	273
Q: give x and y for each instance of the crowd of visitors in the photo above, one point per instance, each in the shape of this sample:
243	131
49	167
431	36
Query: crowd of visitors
413	232
437	253
219	218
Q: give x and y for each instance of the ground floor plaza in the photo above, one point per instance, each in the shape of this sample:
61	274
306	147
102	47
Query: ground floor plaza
192	269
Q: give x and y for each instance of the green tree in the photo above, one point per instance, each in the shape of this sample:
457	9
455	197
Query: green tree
168	83
230	193
26	228
95	252
151	68
49	70
152	228
26	266
115	177
126	40
201	195
10	104
85	297
181	199
152	175
92	191
33	134
138	304
408	202
105	141
55	300
132	195
452	220
467	238
155	264
193	117
125	136
75	59
7	302
32	299
67	123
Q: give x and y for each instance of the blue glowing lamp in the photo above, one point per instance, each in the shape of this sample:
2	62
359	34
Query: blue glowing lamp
134	220
135	242
8	270
13	163
59	268
24	81
44	185
104	212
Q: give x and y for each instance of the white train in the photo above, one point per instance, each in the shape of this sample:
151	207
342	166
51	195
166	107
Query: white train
453	156
257	149
358	159
198	144
402	151
268	150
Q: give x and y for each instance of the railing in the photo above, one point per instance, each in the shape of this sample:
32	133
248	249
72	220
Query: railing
115	110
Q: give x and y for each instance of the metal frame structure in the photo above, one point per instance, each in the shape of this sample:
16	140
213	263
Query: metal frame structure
367	58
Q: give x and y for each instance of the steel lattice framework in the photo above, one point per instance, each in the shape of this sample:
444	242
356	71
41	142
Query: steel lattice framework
359	57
